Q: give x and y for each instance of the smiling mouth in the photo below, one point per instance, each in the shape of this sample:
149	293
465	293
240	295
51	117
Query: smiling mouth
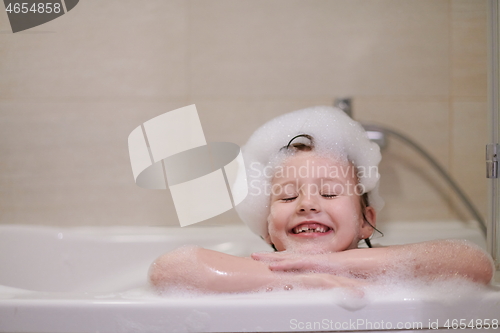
310	228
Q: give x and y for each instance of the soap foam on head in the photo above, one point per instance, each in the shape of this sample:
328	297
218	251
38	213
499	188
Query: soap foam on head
335	135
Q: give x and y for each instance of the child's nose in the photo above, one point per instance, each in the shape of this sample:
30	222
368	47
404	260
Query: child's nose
308	203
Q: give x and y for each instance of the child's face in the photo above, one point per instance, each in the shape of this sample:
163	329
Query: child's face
315	207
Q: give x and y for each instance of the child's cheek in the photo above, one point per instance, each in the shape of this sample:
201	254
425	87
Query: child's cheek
274	218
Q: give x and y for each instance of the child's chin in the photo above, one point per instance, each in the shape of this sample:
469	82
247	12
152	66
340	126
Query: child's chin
307	248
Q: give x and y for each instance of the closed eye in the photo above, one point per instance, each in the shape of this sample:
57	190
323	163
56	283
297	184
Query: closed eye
329	196
288	199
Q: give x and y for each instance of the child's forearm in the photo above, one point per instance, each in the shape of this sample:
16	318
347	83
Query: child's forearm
202	270
210	271
227	273
434	259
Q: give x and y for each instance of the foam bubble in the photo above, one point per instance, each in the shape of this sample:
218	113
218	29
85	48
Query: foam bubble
446	291
175	271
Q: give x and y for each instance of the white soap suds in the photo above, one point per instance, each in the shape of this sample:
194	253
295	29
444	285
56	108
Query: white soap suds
445	291
176	272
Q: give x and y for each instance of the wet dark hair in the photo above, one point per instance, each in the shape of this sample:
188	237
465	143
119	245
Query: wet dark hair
299	146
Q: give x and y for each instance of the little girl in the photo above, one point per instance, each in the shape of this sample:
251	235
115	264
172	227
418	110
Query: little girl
313	196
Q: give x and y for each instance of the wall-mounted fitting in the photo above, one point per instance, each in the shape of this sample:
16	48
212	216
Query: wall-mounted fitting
379	137
344	104
492	151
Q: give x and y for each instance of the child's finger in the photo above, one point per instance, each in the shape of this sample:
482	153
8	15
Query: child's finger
289	265
261	256
269	256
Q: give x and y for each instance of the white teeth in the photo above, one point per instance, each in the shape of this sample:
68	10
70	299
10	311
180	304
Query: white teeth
305	228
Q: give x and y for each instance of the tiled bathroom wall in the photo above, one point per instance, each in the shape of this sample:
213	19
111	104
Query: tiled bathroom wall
72	90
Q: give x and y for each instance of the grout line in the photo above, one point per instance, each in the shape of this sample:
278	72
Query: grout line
450	104
450	99
189	53
184	100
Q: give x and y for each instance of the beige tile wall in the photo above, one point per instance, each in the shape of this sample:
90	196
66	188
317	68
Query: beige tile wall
72	90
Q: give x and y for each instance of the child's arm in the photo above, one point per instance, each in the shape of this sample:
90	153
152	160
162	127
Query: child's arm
434	259
205	270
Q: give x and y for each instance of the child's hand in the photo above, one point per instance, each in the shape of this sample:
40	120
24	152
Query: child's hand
283	261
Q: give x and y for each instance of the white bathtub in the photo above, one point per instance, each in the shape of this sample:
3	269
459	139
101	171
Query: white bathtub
94	280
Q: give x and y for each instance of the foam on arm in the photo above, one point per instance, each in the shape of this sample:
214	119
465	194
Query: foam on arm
198	269
439	259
